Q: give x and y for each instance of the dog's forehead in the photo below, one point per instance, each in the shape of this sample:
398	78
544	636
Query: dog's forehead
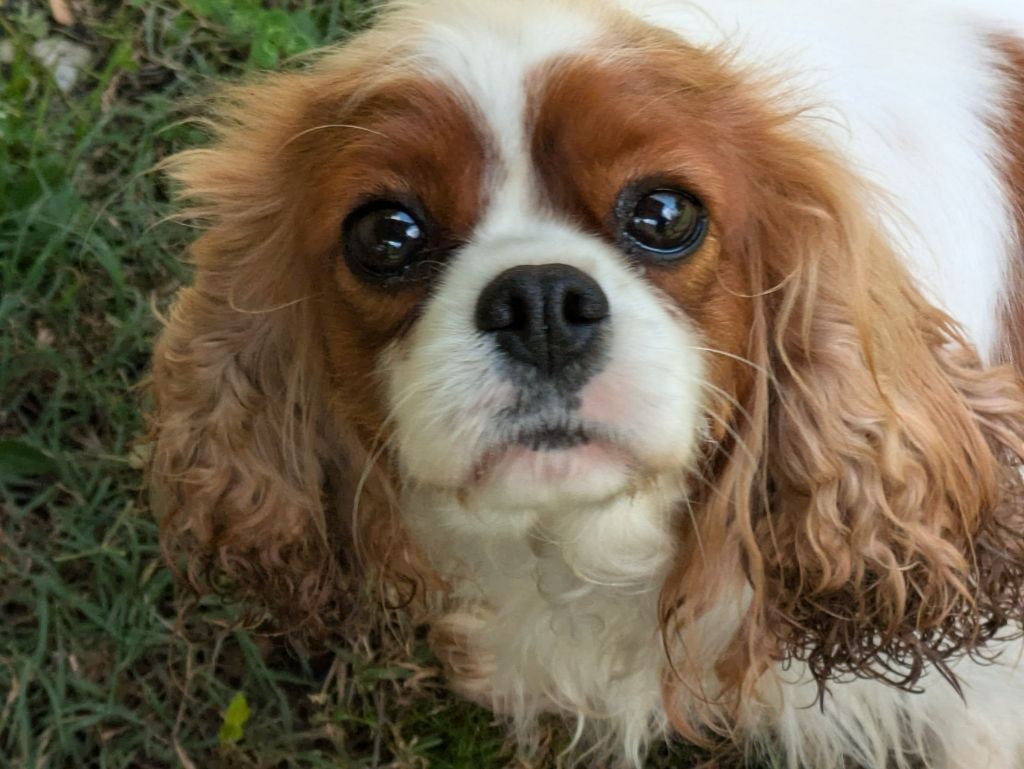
491	56
489	52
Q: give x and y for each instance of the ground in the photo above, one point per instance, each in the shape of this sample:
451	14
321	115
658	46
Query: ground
104	662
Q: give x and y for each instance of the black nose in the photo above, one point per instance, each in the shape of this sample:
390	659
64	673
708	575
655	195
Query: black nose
546	316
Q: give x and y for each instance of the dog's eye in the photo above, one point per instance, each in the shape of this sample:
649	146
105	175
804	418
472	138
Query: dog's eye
664	223
383	239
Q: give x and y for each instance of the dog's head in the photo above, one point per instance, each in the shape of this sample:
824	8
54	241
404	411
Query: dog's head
534	260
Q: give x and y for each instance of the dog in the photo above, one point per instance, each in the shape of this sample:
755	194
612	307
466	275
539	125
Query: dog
664	358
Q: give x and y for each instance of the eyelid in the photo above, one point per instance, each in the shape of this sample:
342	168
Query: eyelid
624	210
436	243
387	196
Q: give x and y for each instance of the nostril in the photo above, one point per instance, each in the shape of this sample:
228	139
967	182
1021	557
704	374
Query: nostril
517	314
584	307
503	310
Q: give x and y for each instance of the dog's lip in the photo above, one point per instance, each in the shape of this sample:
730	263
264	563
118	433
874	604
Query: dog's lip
553	435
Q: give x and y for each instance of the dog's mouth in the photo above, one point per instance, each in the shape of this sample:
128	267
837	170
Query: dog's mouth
553	437
545	441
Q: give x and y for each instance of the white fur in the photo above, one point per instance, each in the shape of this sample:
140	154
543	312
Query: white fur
557	561
878	726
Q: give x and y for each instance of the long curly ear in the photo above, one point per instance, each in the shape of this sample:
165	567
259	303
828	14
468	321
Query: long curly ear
888	534
239	428
262	428
872	493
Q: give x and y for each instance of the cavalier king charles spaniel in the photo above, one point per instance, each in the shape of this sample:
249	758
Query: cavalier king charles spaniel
664	358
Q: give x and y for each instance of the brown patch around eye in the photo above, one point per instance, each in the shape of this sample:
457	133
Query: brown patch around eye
662	115
413	142
1010	132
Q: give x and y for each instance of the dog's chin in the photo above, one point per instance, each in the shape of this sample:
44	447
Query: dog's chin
551	474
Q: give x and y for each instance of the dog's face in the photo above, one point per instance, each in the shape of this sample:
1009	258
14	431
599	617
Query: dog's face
537	312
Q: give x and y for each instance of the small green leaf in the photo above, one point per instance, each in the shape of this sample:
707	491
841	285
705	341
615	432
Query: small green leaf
19	460
233	727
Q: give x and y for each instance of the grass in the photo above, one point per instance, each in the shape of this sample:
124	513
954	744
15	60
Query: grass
102	662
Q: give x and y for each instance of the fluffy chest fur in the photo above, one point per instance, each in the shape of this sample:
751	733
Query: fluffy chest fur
549	618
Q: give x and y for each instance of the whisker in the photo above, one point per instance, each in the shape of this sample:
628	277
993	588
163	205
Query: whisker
740	442
693	520
266	310
732	356
326	126
729	398
378	446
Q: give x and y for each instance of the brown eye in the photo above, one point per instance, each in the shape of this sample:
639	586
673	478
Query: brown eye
382	239
666	224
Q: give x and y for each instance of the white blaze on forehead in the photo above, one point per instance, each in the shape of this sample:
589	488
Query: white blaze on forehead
488	51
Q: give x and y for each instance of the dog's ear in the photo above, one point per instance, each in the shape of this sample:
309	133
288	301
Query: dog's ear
260	462
240	429
871	492
889	531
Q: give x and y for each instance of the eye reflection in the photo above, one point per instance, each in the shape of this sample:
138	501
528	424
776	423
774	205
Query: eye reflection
383	238
667	223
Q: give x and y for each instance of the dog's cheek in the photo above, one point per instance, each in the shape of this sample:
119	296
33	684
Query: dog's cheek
443	394
652	387
357	328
